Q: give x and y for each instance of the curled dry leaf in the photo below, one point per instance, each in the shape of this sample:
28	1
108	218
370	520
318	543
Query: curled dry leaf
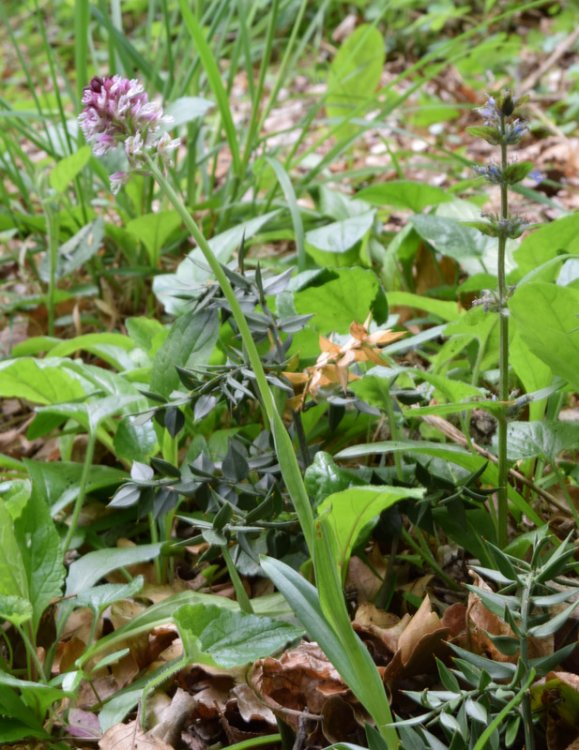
131	737
423	639
382	629
302	679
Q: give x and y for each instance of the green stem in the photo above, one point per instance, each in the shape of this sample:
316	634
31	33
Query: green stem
88	457
284	448
394	434
503	359
241	594
502	715
524	663
51	218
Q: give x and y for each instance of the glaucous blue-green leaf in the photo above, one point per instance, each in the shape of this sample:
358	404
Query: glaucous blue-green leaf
214	636
338	244
41	553
414	196
338	303
187	109
194	271
547	319
190	342
354	76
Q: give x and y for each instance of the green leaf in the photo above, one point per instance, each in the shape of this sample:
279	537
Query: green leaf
518	171
340	302
214	636
338	244
451	453
13	578
443	309
68	168
546	243
486	132
533	373
449	237
15	609
189	343
546	439
193	271
93	566
414	196
77	251
354	75
553	625
38	381
41	553
154	231
547	319
347	512
187	109
90	414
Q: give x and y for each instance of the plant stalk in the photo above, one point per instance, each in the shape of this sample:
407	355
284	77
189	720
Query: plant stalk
284	448
88	457
503	358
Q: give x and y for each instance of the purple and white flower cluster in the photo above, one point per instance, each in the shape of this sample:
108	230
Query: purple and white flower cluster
117	112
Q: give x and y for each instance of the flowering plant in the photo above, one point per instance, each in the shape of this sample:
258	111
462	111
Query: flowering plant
117	113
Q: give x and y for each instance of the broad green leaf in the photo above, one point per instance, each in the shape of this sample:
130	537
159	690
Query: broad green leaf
154	231
134	440
449	237
547	319
533	373
77	251
189	343
15	609
15	494
347	512
546	439
187	109
13	578
443	309
41	552
337	244
38	381
147	333
68	168
93	566
91	414
415	196
340	302
102	596
355	75
546	243
194	271
214	636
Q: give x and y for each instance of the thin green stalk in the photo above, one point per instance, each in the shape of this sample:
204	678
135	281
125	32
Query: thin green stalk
51	217
269	739
31	656
524	662
88	457
503	507
394	433
241	594
482	742
284	448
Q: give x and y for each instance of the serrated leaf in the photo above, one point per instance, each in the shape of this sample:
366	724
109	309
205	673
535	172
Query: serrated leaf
15	609
215	636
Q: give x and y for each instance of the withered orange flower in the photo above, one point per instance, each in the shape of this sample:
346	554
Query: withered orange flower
333	363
